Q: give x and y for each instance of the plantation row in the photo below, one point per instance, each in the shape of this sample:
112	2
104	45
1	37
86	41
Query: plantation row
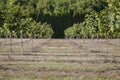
59	59
60	18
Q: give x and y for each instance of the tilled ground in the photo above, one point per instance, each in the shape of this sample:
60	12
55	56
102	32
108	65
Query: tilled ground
56	59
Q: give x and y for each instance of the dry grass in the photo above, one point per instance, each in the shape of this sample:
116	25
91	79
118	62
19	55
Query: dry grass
57	59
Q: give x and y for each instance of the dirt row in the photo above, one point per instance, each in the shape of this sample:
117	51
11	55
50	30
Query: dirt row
43	53
111	72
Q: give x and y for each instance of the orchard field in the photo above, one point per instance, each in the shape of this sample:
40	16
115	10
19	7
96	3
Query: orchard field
59	59
32	44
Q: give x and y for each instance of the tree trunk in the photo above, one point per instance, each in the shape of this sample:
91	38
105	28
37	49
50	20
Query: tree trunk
10	51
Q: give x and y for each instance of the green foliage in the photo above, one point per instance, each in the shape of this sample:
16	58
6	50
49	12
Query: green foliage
64	13
96	17
27	28
103	25
114	10
42	30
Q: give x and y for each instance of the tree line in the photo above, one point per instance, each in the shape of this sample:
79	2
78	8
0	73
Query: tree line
59	18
